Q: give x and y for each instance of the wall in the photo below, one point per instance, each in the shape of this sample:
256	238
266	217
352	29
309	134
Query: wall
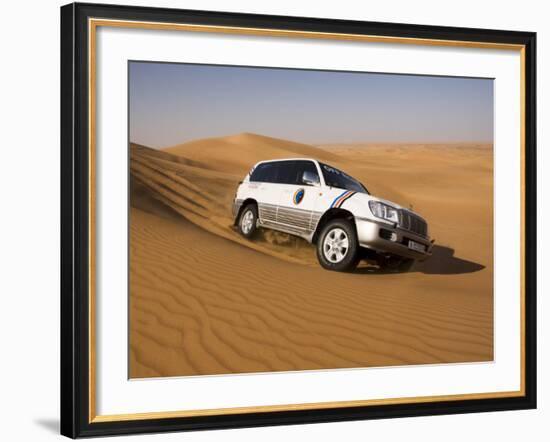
29	221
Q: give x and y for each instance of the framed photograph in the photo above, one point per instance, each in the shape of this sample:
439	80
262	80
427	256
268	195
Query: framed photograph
275	220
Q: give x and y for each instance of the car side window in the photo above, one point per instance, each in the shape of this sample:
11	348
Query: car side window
264	173
271	172
257	174
286	172
283	172
305	166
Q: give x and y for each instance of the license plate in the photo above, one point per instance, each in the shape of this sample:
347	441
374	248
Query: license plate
413	245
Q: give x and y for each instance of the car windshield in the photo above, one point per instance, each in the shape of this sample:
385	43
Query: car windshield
337	178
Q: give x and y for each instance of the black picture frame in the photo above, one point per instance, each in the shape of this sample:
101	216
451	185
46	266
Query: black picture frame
75	220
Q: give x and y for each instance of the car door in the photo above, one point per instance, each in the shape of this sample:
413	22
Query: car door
264	188
298	198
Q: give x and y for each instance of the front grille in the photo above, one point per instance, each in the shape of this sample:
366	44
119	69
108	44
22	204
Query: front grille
385	234
413	223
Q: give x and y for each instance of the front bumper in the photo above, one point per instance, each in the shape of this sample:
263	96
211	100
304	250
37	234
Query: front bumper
376	236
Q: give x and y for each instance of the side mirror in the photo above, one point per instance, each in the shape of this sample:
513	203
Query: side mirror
310	178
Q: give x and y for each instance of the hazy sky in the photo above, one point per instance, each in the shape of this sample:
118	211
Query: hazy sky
174	103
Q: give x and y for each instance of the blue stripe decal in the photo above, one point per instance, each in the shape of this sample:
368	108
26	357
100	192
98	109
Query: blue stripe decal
336	199
344	199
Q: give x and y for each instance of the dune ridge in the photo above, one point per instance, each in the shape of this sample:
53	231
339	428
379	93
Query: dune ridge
240	152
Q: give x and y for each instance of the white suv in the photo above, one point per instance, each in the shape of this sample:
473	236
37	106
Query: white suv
329	208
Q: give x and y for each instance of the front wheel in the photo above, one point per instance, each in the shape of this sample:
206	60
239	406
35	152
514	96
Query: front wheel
248	220
337	247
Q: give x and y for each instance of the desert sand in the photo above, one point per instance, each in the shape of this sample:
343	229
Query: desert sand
205	301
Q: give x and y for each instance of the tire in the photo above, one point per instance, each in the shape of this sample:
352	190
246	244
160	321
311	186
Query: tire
248	221
395	264
337	246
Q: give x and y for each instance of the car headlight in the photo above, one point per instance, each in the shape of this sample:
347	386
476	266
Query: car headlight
383	211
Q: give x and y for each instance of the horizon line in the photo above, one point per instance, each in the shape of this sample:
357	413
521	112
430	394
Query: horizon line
320	144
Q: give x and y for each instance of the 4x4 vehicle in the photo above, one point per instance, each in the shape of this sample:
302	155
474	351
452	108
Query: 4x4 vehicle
327	207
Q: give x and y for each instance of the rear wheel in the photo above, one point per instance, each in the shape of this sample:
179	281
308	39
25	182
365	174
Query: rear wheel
337	247
248	220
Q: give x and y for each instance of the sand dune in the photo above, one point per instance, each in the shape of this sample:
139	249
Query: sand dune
238	153
204	301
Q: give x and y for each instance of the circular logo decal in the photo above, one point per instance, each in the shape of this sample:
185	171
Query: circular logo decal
299	196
